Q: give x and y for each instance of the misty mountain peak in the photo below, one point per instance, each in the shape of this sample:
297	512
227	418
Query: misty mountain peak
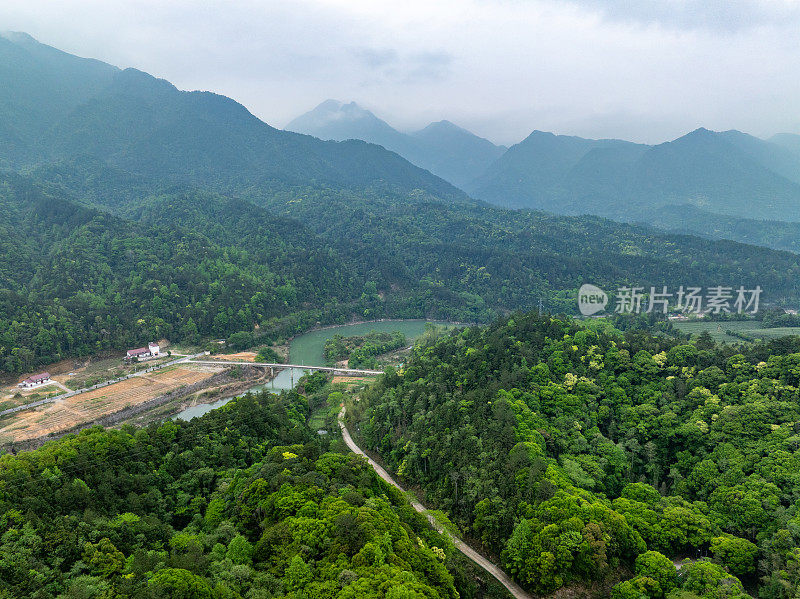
443	127
18	37
337	120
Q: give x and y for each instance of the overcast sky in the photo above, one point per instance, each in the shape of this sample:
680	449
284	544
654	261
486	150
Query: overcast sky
646	70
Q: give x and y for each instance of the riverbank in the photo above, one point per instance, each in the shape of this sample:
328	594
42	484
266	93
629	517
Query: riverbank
210	388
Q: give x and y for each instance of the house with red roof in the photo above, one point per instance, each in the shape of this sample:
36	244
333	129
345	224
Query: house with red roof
37	380
143	353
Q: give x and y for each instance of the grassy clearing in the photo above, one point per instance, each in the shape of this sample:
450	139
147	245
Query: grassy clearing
751	328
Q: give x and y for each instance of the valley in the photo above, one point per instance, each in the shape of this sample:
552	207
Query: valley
228	349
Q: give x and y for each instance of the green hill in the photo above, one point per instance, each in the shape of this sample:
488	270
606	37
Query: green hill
444	149
74	280
582	456
75	107
245	502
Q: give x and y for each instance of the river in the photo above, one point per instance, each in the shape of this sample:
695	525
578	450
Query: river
309	349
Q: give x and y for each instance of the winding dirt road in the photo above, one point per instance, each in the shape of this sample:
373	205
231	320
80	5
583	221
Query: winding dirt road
476	557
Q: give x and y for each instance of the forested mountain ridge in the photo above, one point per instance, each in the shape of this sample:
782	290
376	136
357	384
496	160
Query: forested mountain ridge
42	84
688	219
443	148
579	453
146	126
510	259
189	264
727	173
246	502
75	280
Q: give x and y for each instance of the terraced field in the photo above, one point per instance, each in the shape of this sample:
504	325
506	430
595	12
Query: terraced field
65	414
751	328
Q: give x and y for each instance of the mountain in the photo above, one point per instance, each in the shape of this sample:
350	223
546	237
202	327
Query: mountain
573	450
42	85
69	107
453	153
75	280
789	141
537	172
704	169
729	173
334	120
153	212
443	148
782	159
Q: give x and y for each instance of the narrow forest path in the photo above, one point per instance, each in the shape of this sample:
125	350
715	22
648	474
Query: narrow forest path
476	557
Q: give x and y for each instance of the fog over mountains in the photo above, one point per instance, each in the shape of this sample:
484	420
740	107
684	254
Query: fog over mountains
711	183
64	107
443	148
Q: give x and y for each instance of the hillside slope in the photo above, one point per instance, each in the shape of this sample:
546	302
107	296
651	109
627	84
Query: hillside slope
446	150
146	126
728	173
579	454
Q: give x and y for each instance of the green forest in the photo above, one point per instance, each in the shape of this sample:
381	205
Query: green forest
78	276
584	456
362	351
244	502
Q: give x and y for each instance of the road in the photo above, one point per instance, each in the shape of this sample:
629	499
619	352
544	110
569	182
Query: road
69	393
333	369
185	360
476	557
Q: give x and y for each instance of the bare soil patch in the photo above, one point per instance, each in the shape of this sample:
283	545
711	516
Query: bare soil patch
243	356
87	407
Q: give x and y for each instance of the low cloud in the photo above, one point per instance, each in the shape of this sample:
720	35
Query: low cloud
410	68
720	15
646	70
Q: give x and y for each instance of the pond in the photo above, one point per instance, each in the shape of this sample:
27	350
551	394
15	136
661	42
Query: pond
308	349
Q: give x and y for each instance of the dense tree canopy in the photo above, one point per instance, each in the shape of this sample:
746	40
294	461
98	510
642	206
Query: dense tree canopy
244	502
189	265
577	452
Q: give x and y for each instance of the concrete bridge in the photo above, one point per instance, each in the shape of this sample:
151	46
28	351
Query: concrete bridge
333	369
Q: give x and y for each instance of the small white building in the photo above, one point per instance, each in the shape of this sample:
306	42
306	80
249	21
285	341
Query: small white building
37	380
143	353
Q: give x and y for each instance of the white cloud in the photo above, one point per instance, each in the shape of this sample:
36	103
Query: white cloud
502	67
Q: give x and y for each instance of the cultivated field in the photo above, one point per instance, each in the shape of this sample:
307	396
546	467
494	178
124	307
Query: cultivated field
12	396
244	356
87	407
751	328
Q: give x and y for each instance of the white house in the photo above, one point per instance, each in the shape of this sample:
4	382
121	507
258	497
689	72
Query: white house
37	380
143	353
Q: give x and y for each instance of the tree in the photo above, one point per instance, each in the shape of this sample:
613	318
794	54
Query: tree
240	550
710	580
737	554
298	573
658	567
177	583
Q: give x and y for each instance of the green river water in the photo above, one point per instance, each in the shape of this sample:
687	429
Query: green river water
308	349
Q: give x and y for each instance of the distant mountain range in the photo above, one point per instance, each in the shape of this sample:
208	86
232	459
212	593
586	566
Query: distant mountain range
688	184
443	148
729	173
56	106
134	211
